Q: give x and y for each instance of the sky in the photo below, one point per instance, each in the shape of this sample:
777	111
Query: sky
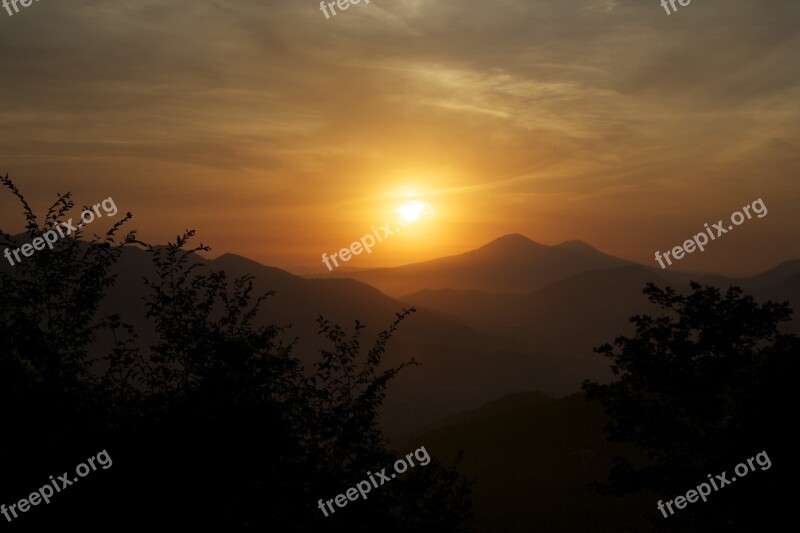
281	135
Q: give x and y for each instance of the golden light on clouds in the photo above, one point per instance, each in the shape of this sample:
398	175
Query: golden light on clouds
598	120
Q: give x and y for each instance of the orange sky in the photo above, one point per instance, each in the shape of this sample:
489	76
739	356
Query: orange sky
280	135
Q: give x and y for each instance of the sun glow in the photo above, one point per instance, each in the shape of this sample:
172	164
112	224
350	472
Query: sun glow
411	211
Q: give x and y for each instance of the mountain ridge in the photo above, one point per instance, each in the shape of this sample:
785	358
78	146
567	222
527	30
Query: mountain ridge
511	263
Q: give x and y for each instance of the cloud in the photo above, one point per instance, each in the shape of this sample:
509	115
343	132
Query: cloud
572	98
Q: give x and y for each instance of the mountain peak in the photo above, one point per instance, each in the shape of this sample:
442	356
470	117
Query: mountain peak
514	237
512	263
512	241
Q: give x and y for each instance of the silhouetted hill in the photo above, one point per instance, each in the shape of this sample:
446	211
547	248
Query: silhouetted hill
487	310
781	283
533	457
773	276
475	345
513	264
572	316
568	318
584	310
461	367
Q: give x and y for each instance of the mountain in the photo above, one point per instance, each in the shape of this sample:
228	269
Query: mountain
779	284
532	457
765	279
511	264
461	367
574	315
569	317
475	343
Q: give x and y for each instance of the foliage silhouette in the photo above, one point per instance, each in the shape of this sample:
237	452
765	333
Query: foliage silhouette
214	425
702	388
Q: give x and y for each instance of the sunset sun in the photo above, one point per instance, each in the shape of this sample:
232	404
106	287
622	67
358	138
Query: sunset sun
411	211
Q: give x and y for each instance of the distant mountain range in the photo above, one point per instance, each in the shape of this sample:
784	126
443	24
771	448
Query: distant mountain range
511	316
512	263
562	300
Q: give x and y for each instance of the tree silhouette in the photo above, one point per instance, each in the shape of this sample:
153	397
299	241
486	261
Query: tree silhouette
216	424
701	388
48	322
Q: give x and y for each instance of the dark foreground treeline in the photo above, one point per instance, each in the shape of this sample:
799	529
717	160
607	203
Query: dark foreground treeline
215	425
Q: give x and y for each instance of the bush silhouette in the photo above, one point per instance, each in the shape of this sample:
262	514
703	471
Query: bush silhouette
702	388
216	424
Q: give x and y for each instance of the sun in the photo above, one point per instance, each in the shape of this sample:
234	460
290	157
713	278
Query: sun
410	211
